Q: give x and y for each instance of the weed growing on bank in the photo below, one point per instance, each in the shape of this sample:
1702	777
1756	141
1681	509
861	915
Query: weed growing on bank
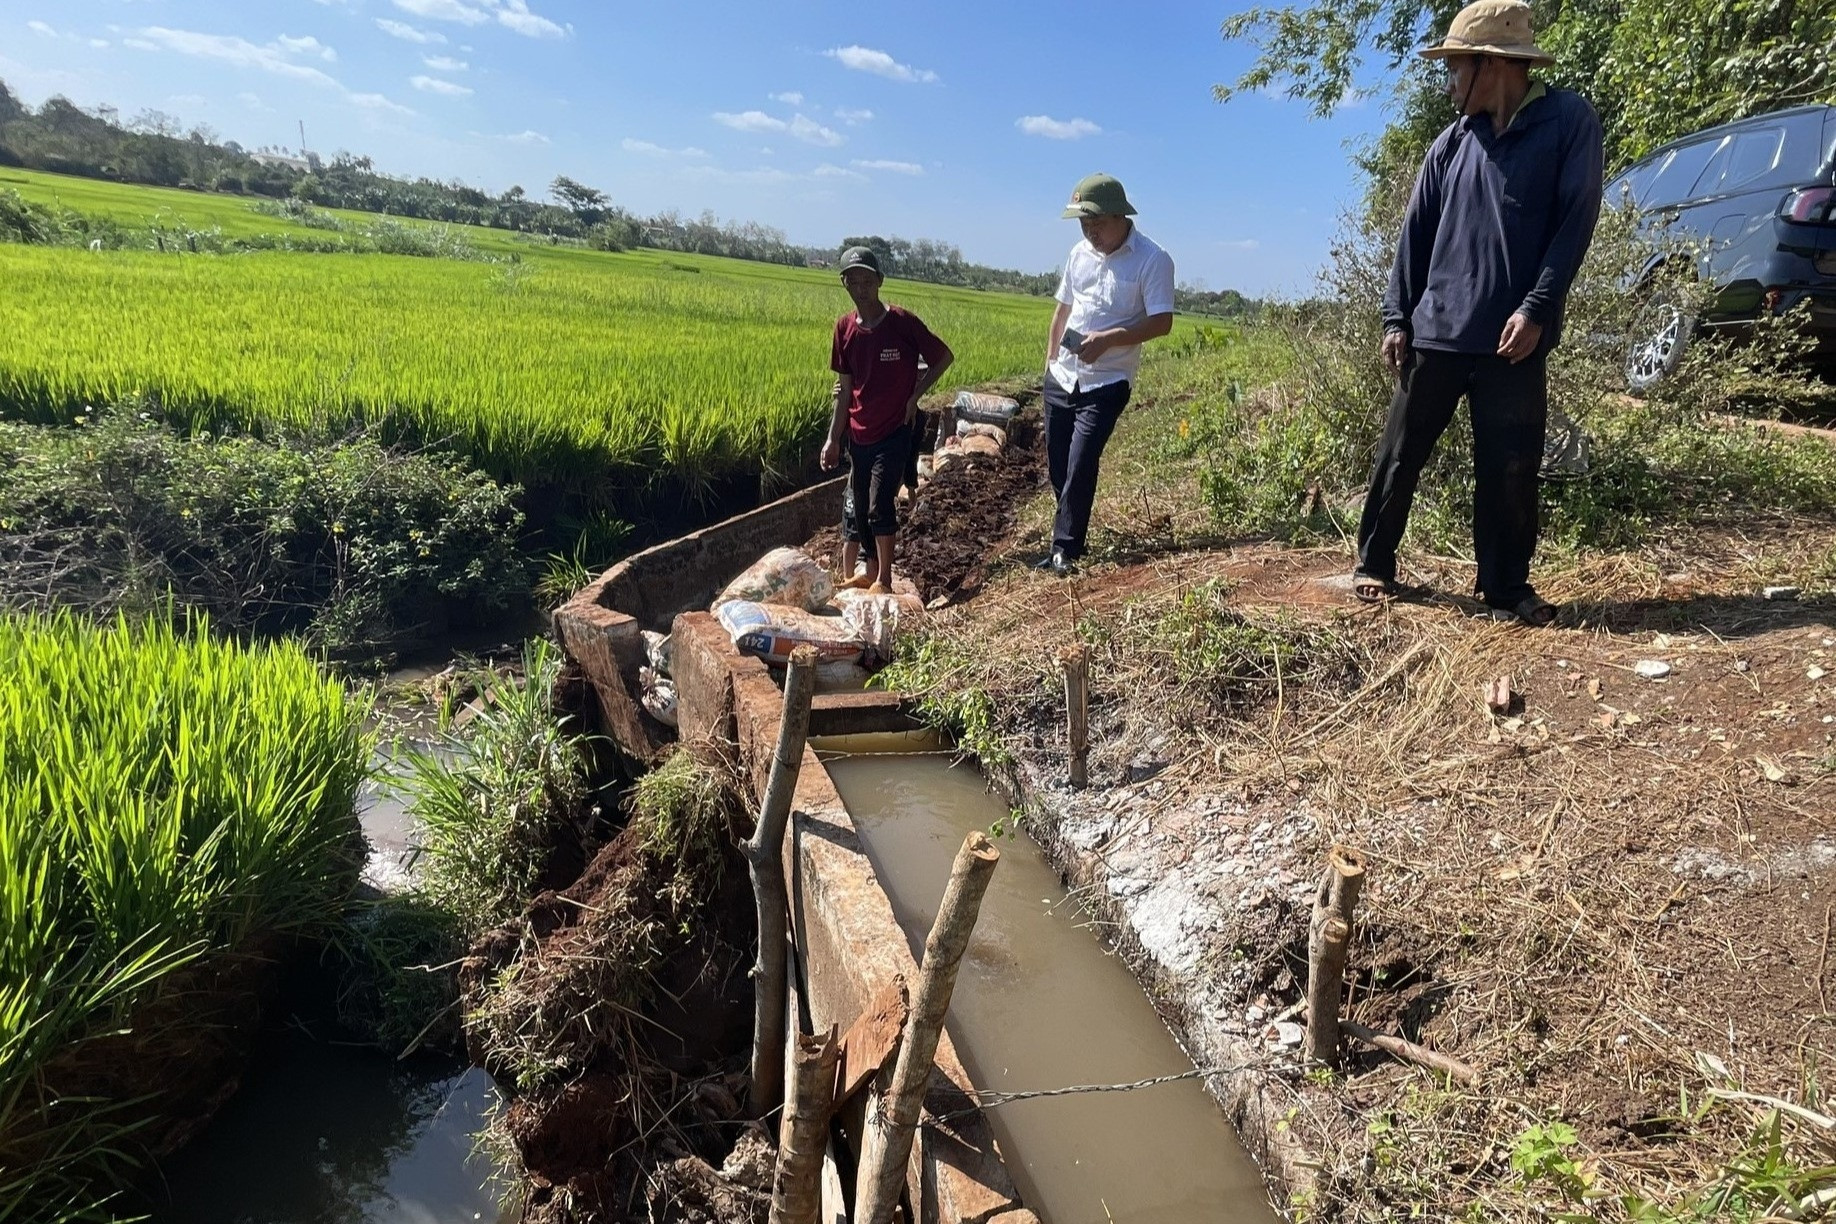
359	546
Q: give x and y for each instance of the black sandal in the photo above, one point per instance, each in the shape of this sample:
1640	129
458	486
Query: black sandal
1532	610
1370	589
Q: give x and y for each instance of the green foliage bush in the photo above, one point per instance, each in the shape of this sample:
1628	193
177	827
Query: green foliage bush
359	545
1673	456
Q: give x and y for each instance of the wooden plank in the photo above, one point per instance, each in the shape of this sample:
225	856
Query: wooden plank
871	1040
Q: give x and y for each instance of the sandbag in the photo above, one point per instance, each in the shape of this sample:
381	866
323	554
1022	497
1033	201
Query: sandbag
980	445
771	632
839	676
988	409
786	576
658	696
876	619
975	429
657	651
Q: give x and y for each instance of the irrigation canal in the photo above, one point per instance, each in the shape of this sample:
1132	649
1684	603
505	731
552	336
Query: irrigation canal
1040	1003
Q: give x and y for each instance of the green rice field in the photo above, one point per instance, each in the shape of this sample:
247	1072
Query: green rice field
164	796
568	367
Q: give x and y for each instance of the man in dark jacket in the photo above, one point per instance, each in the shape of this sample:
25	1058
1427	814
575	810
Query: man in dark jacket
1501	216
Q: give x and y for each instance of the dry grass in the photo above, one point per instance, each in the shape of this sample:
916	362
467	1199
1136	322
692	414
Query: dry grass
1613	899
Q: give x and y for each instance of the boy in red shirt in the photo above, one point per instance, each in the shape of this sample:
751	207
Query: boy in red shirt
876	352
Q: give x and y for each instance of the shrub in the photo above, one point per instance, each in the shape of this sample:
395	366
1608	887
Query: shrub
360	545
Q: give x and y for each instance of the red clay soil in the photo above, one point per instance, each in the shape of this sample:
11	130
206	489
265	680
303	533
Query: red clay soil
643	1014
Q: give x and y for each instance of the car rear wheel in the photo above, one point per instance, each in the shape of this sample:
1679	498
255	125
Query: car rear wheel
1660	337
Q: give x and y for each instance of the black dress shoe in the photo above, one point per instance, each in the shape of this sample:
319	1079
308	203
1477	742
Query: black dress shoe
1061	565
1051	561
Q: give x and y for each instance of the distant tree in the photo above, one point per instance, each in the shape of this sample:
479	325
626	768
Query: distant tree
155	123
587	203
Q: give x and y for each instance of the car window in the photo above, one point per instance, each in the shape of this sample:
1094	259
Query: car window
1679	173
1751	156
1632	186
1707	182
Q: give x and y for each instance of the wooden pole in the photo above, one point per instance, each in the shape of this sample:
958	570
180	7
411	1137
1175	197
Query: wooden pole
893	1119
1076	662
765	863
1328	936
803	1132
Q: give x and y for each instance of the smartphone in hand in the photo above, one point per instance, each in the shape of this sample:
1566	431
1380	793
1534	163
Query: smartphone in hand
1072	340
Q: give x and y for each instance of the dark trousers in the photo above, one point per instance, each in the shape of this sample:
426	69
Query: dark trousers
1077	427
874	473
1510	407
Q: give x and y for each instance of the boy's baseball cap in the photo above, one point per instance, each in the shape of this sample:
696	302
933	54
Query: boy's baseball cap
1099	195
860	257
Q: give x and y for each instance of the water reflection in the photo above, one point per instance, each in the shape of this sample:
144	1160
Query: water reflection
327	1134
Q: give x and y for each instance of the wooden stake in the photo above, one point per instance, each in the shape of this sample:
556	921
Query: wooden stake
1410	1052
1328	936
803	1132
1076	662
893	1119
765	863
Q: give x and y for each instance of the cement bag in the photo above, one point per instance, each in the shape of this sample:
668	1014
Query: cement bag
988	409
772	632
787	576
656	651
658	696
926	466
980	445
975	429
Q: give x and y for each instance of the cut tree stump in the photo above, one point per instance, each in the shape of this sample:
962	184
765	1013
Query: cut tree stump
1328	937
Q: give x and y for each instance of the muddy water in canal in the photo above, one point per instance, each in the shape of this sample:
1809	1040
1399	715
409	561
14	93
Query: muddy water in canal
1040	1003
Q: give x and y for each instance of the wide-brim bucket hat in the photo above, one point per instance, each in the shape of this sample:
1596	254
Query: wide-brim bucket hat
1491	27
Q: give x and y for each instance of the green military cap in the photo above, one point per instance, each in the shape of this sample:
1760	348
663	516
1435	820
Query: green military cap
1099	195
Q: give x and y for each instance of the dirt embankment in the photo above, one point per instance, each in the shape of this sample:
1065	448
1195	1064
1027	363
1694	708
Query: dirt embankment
617	1015
1610	896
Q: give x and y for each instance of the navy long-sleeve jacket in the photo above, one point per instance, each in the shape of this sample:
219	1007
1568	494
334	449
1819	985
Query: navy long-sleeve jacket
1498	223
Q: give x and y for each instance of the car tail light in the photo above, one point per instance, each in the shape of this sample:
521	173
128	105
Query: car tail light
1809	205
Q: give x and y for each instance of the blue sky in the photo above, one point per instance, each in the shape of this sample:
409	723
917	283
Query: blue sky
963	122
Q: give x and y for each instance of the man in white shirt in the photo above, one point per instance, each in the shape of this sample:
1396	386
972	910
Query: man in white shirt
1116	294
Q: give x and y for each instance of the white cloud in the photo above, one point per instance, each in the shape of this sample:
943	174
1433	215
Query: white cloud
435	85
444	10
516	15
98	42
231	50
789	98
444	63
253	102
1240	244
648	149
376	101
524	137
896	167
307	45
750	121
406	32
866	59
1057	129
851	116
826	171
811	132
39	27
336	2
140	44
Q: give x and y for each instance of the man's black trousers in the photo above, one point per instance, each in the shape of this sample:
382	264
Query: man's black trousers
1077	425
1510	407
874	472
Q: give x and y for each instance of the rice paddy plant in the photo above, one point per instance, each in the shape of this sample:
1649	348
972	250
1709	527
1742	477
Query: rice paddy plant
164	796
600	370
